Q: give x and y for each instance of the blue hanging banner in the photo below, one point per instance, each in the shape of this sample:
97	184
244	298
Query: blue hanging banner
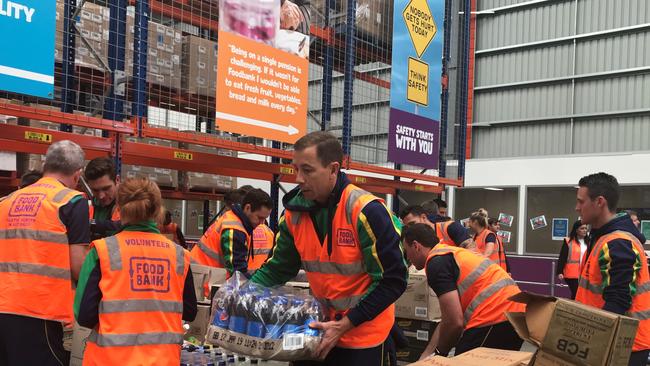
414	124
27	55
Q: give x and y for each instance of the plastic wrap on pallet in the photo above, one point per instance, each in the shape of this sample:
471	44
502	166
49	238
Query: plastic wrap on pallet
268	323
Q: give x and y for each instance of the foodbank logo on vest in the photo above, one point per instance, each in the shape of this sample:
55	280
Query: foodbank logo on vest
149	274
27	29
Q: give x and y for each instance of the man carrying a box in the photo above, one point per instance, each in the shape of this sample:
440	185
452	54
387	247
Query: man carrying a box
615	275
103	181
348	243
472	291
227	242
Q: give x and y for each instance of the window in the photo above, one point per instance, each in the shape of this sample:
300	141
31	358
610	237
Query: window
495	201
551	202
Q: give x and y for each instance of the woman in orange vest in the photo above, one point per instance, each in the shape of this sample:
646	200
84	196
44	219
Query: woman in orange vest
569	264
473	293
485	240
135	287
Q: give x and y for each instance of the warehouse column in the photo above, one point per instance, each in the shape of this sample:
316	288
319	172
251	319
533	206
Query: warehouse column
68	93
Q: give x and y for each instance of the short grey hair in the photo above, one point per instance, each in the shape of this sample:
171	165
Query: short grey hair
65	157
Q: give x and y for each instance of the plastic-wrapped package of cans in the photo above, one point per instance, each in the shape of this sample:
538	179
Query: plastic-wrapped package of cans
268	323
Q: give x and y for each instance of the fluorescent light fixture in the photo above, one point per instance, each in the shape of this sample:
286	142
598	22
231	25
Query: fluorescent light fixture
493	189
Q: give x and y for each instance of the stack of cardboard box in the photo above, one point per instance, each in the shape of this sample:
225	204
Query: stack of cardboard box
93	25
164	177
417	314
568	333
164	53
205	181
199	67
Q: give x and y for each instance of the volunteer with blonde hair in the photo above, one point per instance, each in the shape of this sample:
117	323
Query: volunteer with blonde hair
135	287
484	239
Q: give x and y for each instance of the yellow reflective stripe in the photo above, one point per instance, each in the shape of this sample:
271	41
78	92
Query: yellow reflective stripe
364	221
485	294
473	276
180	259
295	218
37	235
341	304
129	306
114	255
209	252
60	195
354	195
141	339
35	269
236	224
346	269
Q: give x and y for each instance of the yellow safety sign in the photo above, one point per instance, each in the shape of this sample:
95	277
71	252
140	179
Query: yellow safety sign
417	90
183	155
420	24
286	170
38	136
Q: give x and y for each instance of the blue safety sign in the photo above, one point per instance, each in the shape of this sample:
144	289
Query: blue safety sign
27	29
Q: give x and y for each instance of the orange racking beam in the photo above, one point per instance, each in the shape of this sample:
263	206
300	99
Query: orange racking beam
32	140
213	141
40	114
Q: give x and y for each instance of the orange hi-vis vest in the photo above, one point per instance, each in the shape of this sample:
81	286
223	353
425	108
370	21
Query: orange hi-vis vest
442	234
483	286
502	253
497	255
591	287
263	239
573	261
208	250
115	212
140	314
34	252
340	281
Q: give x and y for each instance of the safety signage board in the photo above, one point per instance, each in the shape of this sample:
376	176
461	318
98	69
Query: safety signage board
420	24
417	89
415	86
27	54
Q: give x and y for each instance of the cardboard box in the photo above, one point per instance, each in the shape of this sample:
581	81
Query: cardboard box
163	177
408	355
418	332
574	332
199	327
199	66
480	356
418	301
542	358
374	18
